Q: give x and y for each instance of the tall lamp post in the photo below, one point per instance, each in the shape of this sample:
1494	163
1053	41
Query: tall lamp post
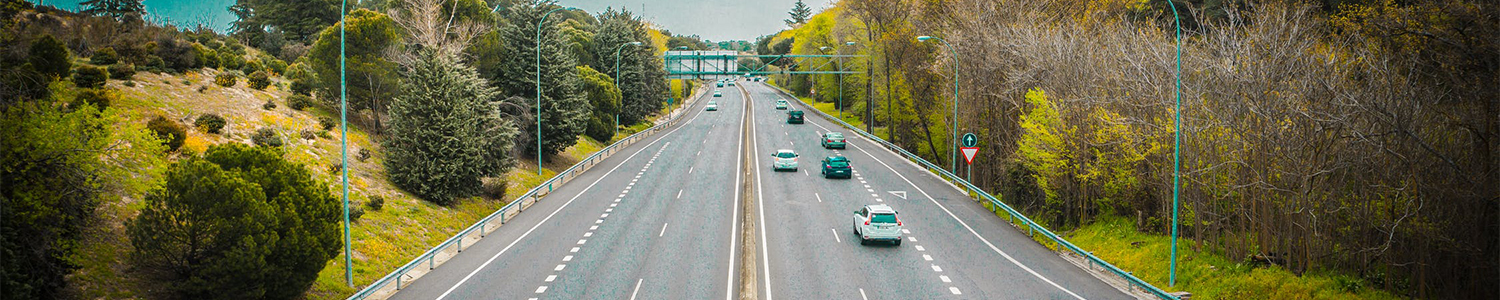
539	26
1177	148
617	83
840	61
953	133
344	140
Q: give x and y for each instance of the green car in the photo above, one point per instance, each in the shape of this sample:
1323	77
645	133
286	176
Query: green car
794	117
833	140
837	166
782	104
717	94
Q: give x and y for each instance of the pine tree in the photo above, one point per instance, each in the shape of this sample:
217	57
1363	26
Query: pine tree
564	111
444	132
800	13
643	88
117	9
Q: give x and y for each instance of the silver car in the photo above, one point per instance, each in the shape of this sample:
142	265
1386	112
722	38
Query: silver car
785	160
877	223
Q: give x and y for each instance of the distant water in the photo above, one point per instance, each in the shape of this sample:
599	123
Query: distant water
183	13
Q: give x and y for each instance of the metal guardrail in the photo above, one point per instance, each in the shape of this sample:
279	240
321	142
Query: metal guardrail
455	244
995	201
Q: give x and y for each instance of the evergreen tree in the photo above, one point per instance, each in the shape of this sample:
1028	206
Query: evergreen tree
299	20
49	57
371	76
605	98
643	85
565	112
117	9
800	13
445	133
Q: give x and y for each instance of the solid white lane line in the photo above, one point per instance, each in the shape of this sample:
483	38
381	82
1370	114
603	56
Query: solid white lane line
820	198
760	202
550	278
663	230
971	229
836	235
862	295
637	288
734	229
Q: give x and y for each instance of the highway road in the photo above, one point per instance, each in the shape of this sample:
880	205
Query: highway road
659	220
954	248
655	221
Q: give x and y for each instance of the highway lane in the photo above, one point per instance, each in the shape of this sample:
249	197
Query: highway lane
655	221
954	249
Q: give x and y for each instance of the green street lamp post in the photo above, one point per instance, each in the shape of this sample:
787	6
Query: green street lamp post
840	62
617	83
539	25
953	133
1176	149
344	140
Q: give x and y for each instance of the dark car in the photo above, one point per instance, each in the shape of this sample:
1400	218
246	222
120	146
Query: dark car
794	117
836	167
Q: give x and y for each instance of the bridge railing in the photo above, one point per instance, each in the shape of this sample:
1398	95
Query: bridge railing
393	282
1032	226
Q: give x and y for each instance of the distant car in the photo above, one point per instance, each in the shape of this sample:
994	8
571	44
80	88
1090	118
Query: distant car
718	94
877	222
794	117
782	104
785	160
720	84
833	140
837	166
712	106
731	83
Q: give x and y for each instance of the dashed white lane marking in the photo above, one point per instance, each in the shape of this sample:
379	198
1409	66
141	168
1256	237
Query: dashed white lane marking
574	250
804	172
906	231
601	216
919	248
820	198
566	258
609	209
613	204
911	238
598	221
550	278
874	195
926	257
541	289
588	234
945	279
836	235
679	194
955	290
862	295
690	170
699	152
663	230
580	242
637	288
559	267
936	268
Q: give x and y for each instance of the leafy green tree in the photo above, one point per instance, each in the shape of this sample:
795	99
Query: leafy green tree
240	222
371	76
605	99
580	41
799	14
298	20
50	57
564	110
56	166
643	85
444	133
117	9
90	77
104	56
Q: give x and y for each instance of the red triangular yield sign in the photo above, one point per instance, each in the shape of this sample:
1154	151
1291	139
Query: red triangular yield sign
969	153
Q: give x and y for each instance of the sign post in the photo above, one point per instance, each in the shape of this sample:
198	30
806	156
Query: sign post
970	148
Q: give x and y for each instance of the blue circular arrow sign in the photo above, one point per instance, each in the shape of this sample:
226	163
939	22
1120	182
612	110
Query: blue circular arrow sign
970	140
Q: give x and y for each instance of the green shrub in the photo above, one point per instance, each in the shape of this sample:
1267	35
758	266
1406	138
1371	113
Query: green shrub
239	222
50	57
24	83
155	64
121	71
129	83
298	102
90	77
229	61
202	88
266	137
258	80
301	87
187	82
327	123
325	135
99	98
363	155
225	79
270	105
276	65
251	66
210	123
206	57
104	56
308	134
376	202
355	213
171	133
178	55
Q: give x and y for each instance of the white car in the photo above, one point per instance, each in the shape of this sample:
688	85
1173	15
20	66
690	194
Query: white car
785	160
712	106
877	222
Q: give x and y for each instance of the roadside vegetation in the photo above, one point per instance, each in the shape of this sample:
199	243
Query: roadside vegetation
1350	137
116	129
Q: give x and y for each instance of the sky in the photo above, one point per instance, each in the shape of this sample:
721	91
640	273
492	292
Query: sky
714	20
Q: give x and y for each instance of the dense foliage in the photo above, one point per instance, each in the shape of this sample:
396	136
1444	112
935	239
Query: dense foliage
91	77
50	57
104	56
444	136
258	80
564	111
56	167
295	20
169	132
210	123
605	99
641	93
239	222
370	75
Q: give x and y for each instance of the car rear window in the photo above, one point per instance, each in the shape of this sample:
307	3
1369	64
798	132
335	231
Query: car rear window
786	155
838	164
835	135
883	218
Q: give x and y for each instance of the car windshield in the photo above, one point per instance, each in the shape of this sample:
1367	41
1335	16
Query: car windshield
786	155
883	218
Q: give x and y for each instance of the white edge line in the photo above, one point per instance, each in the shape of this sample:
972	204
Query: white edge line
734	229
560	208
761	214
